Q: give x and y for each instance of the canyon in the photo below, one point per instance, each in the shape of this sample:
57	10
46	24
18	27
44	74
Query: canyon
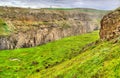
95	54
21	28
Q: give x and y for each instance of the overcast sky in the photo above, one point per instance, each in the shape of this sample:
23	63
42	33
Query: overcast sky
96	4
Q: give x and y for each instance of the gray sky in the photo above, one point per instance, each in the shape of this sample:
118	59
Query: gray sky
96	4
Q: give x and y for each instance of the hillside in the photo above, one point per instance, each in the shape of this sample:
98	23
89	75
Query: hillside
24	62
99	61
33	27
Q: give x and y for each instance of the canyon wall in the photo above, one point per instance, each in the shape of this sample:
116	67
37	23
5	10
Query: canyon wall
33	27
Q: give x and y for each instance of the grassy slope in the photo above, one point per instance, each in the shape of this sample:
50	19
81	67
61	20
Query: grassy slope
55	60
99	61
21	63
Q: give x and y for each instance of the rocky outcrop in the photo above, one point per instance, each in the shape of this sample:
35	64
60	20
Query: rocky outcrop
30	27
110	25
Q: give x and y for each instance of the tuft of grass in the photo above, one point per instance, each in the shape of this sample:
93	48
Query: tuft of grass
21	63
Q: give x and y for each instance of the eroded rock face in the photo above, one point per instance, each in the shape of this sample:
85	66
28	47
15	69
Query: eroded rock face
110	26
40	36
35	27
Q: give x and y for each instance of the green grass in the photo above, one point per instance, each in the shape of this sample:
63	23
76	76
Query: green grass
64	59
4	30
99	61
21	63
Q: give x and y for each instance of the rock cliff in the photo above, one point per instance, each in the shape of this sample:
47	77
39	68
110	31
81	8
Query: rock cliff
110	25
32	27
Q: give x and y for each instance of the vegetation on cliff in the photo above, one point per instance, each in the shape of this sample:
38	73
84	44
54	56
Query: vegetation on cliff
4	29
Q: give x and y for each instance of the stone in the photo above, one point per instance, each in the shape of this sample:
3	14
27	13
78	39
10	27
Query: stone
110	26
